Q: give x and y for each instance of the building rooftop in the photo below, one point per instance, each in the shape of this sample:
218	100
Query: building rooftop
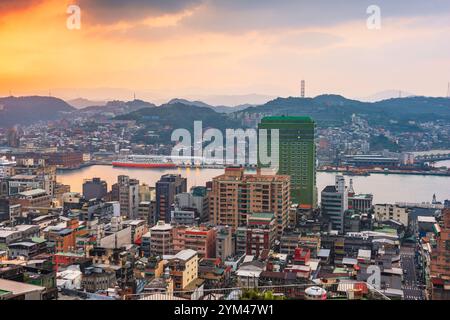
426	219
185	254
24	244
330	189
134	222
161	226
23	177
362	196
286	119
31	193
18	288
323	253
364	254
349	261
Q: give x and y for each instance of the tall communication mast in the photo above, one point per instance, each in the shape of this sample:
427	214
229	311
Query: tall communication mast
303	89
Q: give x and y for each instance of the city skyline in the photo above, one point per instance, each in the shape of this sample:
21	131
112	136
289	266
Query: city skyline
193	49
222	151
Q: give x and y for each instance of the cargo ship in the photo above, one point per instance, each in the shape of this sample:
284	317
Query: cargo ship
137	161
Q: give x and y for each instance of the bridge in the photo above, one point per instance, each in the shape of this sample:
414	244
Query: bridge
431	156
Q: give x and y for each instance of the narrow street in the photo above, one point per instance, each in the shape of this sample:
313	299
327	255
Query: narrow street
411	287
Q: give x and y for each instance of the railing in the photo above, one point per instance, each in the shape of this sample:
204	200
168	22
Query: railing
342	290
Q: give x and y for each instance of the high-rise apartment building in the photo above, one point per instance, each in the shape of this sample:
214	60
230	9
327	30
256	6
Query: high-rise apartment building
161	239
95	189
297	155
128	197
235	195
335	203
166	188
147	211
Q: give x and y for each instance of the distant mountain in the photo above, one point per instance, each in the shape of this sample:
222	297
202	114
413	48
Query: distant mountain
161	121
234	100
27	110
225	109
220	109
190	103
115	108
385	95
81	103
179	115
336	110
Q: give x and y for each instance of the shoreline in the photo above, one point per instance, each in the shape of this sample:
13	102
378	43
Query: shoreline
345	172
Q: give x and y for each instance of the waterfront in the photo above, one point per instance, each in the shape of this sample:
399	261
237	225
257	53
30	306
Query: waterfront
386	188
445	163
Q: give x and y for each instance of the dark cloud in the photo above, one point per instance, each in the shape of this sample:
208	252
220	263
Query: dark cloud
111	11
238	15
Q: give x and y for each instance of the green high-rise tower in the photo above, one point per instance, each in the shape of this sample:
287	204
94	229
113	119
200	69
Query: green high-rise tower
297	155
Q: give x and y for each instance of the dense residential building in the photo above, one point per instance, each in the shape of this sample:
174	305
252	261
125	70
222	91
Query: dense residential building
289	242
361	202
440	262
32	174
26	249
13	290
384	212
259	234
146	244
128	197
35	198
64	239
138	229
185	216
95	279
236	195
65	159
161	239
200	239
5	204
146	193
196	199
95	189
183	268
297	155
18	233
6	167
224	243
312	243
166	189
146	211
335	203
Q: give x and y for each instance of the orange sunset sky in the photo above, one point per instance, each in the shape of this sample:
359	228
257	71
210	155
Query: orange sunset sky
196	48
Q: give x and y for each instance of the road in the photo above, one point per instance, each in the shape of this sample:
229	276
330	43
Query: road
410	285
